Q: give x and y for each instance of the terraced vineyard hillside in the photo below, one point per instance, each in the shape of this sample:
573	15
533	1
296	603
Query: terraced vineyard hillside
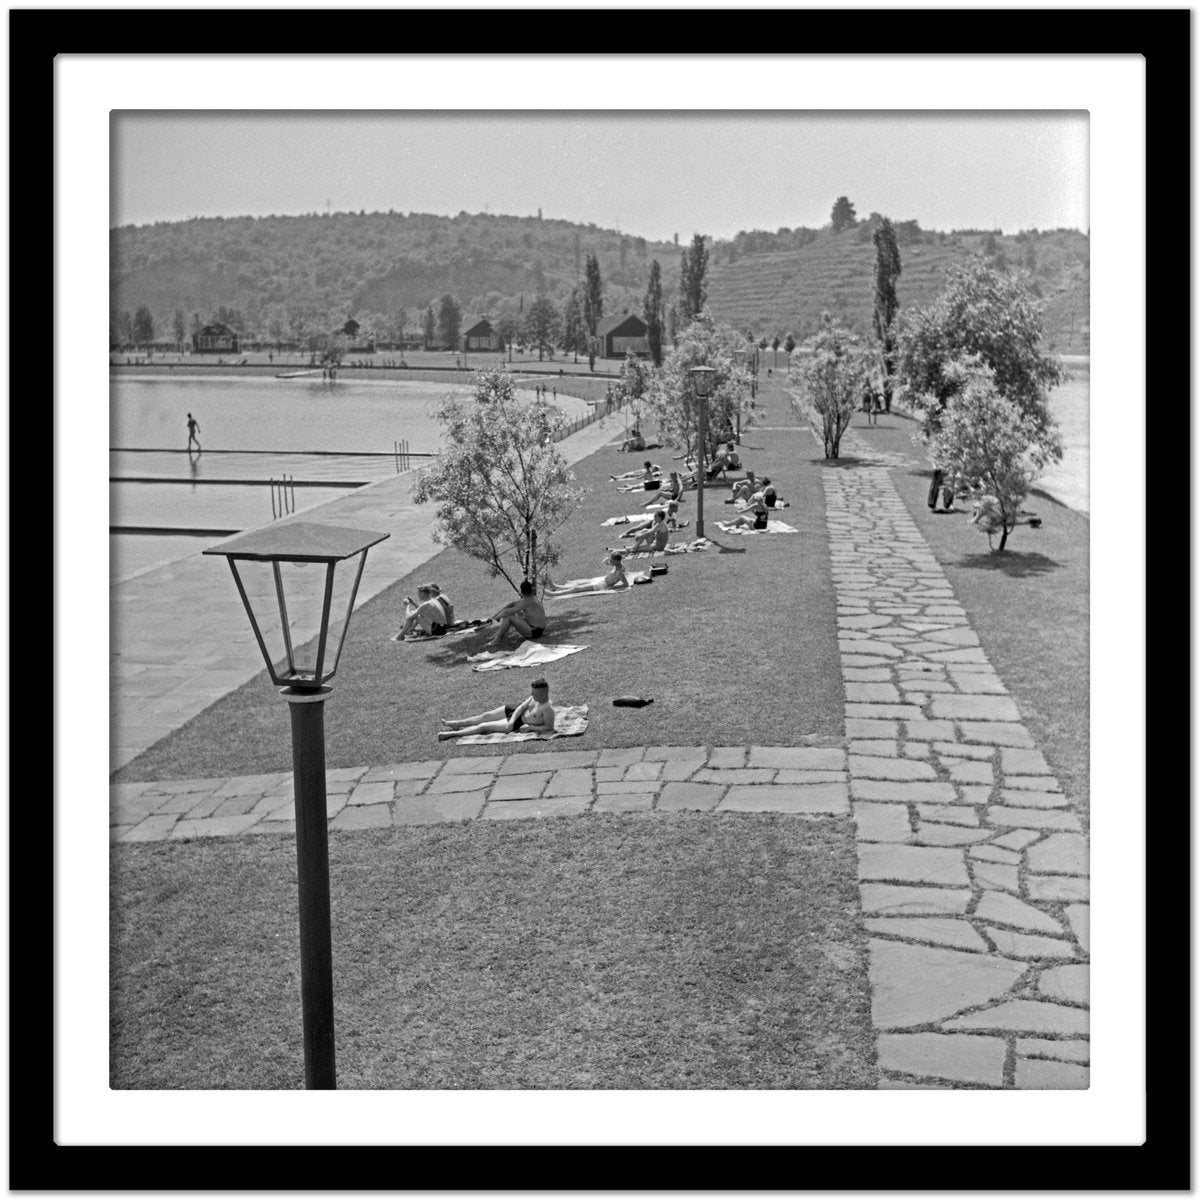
787	291
273	278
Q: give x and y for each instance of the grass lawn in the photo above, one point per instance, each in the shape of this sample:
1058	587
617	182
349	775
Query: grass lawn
680	951
736	645
1029	605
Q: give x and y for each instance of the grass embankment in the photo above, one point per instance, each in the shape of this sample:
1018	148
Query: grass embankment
736	645
1029	605
604	952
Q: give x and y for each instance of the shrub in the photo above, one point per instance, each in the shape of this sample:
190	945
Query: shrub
988	449
500	484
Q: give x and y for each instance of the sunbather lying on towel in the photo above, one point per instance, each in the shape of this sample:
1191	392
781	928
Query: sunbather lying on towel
616	578
649	477
535	713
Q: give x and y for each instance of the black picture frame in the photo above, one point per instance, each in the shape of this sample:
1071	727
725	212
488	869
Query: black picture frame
1163	37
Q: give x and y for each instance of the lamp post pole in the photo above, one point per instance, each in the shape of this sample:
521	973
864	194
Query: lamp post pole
702	379
303	687
700	464
307	709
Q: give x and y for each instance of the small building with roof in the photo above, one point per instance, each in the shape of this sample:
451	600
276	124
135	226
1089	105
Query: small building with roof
215	339
620	335
481	336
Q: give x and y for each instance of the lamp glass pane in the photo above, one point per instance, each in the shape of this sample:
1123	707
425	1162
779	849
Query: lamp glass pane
303	586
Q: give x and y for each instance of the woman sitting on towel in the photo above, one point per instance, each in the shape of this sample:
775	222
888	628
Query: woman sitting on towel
654	538
616	578
535	714
432	614
755	517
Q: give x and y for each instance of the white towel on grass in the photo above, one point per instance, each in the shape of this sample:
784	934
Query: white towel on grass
772	527
527	654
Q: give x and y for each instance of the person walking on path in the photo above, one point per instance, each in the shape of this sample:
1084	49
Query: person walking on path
193	429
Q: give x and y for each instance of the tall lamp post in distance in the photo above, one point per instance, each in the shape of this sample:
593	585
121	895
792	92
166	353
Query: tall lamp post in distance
703	379
302	544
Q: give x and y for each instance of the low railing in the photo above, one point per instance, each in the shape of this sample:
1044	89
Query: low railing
598	412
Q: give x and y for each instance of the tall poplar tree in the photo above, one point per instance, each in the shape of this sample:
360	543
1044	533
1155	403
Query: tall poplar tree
652	313
593	305
692	270
887	271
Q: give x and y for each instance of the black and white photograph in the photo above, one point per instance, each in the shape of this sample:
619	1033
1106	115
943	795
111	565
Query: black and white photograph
601	600
714	709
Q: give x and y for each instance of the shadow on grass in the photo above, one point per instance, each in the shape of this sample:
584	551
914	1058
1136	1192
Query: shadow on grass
1018	565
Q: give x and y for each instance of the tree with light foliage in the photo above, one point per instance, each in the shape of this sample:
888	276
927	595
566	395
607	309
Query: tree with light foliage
981	312
672	398
500	484
988	448
637	377
831	380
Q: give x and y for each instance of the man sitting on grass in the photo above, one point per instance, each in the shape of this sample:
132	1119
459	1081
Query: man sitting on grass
671	492
654	538
671	511
744	489
525	614
535	713
727	460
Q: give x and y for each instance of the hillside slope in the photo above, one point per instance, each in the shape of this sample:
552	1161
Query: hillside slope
274	274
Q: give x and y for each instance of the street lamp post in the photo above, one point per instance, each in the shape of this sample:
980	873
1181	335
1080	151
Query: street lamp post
302	544
702	379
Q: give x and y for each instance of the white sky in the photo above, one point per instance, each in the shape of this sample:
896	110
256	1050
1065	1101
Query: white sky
649	174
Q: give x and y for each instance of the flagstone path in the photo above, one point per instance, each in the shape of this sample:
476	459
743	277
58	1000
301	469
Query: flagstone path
973	866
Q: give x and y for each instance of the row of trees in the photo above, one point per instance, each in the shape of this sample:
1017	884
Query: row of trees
970	364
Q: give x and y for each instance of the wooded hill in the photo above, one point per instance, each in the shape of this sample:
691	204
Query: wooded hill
279	273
